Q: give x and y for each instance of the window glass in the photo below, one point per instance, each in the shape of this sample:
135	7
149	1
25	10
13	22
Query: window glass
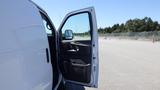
47	24
79	25
47	27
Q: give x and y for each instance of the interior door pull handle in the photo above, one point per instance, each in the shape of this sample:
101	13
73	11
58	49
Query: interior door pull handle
80	65
73	50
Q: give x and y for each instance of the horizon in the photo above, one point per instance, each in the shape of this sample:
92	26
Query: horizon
108	12
128	20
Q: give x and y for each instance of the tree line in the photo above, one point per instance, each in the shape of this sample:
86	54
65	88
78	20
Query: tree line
133	25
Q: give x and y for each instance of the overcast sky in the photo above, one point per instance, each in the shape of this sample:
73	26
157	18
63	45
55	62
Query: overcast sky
108	12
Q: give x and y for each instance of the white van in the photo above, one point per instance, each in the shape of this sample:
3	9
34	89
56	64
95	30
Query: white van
36	56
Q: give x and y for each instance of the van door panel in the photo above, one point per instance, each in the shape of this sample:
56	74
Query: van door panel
76	60
78	48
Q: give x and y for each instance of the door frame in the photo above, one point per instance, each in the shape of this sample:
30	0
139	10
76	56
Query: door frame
94	44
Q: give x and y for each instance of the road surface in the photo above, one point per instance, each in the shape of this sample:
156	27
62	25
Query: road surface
129	65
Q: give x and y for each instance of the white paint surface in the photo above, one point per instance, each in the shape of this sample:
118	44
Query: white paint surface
23	43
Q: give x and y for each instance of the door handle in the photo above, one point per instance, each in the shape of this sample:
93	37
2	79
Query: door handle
47	55
73	50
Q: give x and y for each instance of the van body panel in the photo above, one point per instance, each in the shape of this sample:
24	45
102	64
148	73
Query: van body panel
23	62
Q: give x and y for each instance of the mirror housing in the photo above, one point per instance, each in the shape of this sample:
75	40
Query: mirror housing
68	35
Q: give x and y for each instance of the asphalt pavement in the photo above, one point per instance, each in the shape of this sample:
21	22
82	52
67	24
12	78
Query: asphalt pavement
128	65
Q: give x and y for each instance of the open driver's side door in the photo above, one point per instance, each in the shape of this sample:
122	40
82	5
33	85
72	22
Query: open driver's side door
78	48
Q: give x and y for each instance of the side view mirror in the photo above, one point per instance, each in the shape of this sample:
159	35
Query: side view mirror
68	35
